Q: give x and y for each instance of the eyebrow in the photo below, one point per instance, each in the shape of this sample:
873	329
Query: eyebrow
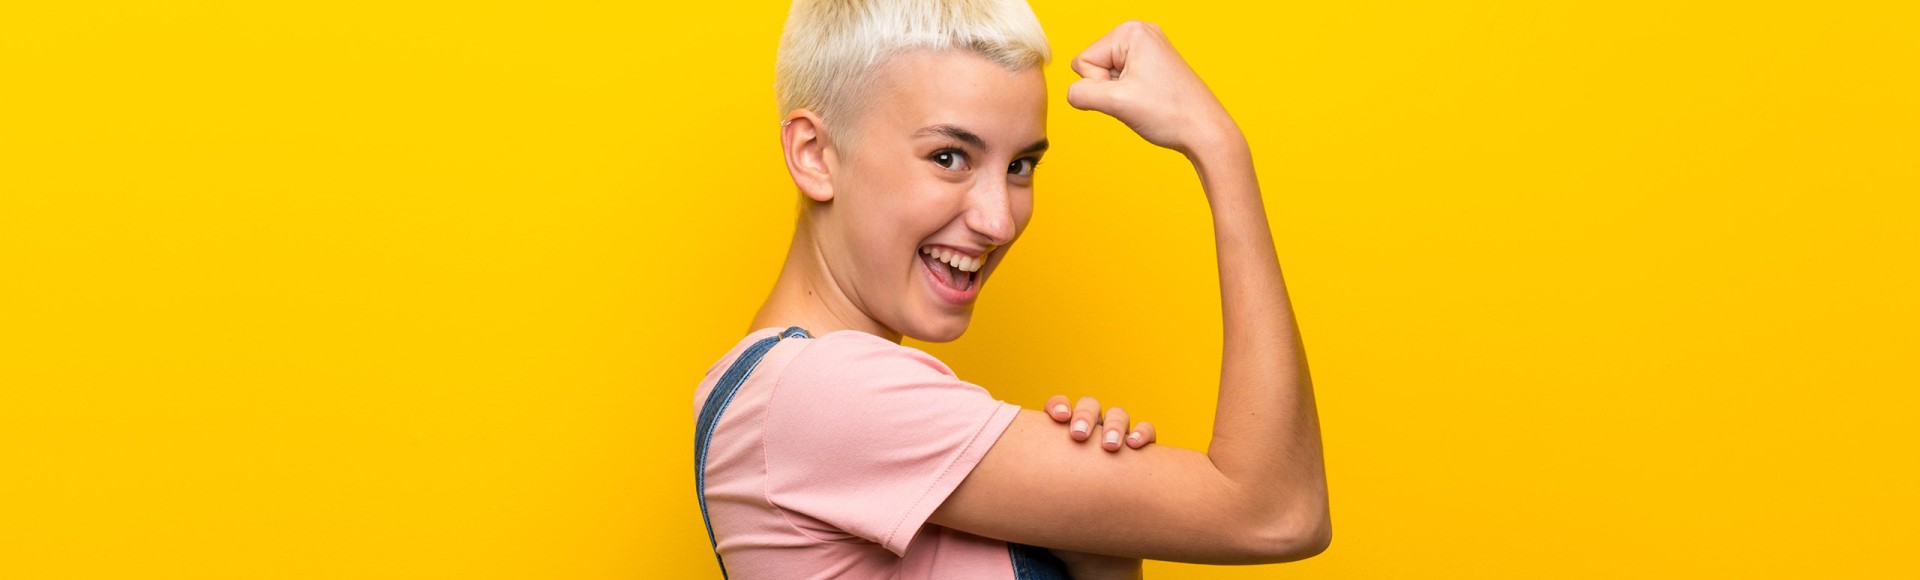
968	137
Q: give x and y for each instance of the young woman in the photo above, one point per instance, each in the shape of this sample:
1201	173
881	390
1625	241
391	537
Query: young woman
828	450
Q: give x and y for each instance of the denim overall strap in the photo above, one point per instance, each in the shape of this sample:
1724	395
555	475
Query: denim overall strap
1035	563
717	401
1029	562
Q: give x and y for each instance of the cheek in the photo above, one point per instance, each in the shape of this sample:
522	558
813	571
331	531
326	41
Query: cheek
1022	212
910	210
891	221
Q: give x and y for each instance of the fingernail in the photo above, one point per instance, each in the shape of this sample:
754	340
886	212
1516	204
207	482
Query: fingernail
1113	437
1080	427
1060	409
1134	437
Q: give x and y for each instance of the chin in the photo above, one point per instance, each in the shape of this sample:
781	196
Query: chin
943	329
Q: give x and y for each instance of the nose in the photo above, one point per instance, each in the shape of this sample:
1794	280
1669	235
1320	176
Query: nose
990	212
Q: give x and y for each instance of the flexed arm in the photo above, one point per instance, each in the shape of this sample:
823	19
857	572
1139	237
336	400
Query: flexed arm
1266	429
1259	492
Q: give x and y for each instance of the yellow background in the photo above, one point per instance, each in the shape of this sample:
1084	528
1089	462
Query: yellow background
364	290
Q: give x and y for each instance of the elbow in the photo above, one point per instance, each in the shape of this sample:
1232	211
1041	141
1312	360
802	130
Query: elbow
1315	541
1293	536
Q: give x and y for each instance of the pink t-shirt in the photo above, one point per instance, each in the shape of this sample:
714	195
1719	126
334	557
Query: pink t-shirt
833	454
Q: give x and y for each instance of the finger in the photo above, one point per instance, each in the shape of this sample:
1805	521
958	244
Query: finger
1087	70
1142	435
1057	408
1111	427
1086	414
1092	95
1106	57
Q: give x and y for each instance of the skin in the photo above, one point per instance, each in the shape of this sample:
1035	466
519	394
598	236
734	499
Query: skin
913	181
1257	495
855	262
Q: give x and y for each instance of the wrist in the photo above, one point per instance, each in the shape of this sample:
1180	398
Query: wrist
1224	164
1215	142
1222	156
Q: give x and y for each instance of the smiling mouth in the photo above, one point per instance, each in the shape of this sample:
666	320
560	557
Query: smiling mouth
955	270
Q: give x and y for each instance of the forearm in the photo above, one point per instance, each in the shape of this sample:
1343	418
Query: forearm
1266	428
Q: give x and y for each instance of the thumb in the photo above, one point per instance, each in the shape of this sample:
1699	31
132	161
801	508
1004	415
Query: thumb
1090	94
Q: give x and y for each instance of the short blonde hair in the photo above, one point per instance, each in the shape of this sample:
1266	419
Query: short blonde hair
830	48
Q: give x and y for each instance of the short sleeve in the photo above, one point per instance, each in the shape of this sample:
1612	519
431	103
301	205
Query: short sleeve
870	437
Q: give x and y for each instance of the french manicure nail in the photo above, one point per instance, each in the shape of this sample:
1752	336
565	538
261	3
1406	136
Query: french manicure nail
1060	409
1080	427
1113	437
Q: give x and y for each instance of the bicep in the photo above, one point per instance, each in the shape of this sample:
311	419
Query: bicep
1036	486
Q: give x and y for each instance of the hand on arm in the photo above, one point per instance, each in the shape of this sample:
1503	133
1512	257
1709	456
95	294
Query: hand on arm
1082	421
1259	492
1086	418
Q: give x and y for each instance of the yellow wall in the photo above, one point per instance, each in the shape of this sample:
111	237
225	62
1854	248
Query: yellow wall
355	290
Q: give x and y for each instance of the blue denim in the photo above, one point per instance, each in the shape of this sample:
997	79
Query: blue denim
717	401
1035	563
1029	563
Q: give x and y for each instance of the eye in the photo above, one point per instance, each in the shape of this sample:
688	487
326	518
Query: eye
952	159
1023	167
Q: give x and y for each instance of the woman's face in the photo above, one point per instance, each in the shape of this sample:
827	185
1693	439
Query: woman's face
936	184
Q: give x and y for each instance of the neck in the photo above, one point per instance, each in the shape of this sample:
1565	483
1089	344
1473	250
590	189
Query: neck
807	296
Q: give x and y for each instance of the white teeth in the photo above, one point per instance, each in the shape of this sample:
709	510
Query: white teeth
957	260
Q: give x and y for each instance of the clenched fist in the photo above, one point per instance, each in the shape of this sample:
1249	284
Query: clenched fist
1134	74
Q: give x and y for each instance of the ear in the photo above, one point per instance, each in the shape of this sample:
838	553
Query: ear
803	138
